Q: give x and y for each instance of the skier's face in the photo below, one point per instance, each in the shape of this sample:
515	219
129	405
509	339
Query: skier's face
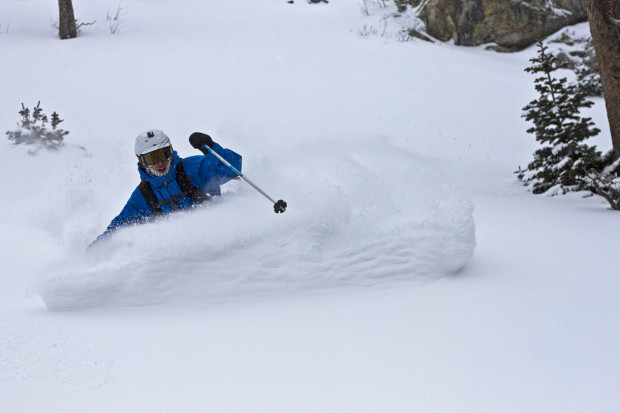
161	166
158	162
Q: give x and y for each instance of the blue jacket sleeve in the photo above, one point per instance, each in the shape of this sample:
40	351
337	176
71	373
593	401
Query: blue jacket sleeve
136	210
212	169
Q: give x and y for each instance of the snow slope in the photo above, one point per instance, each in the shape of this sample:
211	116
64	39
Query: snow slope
411	271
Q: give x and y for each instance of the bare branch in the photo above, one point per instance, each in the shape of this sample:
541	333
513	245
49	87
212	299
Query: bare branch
605	186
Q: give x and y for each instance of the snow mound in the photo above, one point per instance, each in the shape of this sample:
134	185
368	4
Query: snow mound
359	214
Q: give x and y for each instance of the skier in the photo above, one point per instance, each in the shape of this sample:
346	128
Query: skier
170	183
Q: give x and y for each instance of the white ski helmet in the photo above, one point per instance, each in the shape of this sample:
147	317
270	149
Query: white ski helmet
150	140
153	140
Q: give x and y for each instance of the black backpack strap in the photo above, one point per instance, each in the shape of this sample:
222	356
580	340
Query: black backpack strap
187	189
150	198
196	194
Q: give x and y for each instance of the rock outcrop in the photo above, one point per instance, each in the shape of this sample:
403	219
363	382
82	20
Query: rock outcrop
511	24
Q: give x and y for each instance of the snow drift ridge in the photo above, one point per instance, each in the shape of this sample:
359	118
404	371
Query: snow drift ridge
355	218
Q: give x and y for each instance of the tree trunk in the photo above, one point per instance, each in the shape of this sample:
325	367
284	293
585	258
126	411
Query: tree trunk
604	17
66	24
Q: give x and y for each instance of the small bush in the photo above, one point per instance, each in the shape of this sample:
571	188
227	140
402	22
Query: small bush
36	128
114	18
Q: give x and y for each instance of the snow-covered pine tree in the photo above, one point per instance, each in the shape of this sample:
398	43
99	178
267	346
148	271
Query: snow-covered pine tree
33	129
587	71
560	165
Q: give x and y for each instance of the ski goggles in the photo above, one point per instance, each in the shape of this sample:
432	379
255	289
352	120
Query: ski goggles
151	158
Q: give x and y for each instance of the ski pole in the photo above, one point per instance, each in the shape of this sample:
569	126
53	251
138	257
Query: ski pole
278	206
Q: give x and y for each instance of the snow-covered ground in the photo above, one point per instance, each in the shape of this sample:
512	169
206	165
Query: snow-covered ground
411	272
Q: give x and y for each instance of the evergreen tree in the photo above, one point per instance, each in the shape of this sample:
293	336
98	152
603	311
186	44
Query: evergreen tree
33	129
561	163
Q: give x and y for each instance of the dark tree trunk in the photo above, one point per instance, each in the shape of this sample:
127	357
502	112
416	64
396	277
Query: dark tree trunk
604	17
66	24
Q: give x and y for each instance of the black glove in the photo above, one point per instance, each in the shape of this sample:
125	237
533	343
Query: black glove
198	139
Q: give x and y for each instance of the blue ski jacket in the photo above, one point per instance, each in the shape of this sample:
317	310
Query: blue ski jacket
204	171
